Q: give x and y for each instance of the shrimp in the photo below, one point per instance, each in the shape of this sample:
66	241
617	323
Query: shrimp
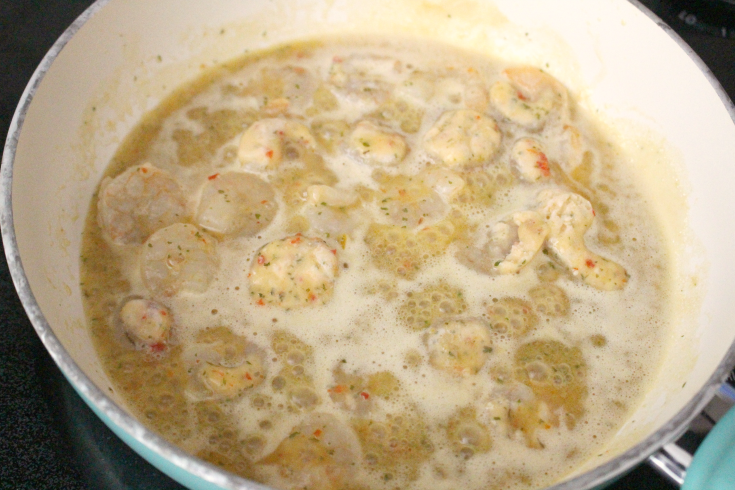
231	382
530	97
321	452
177	258
463	138
572	148
138	202
468	435
270	141
293	272
530	232
465	89
146	323
569	216
530	160
330	196
408	203
363	79
236	203
459	346
513	244
418	88
224	365
446	183
377	145
289	88
327	209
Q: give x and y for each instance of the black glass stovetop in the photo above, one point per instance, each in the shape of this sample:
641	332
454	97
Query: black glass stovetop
49	439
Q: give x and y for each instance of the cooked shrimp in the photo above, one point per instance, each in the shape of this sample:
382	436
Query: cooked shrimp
572	148
529	97
291	88
321	452
377	145
530	233
569	216
463	138
467	89
443	181
363	79
146	323
269	141
236	203
138	202
513	244
418	88
330	196
230	382
293	272
459	346
408	203
530	160
179	258
327	209
224	365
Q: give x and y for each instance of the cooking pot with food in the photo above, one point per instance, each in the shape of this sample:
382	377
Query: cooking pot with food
437	90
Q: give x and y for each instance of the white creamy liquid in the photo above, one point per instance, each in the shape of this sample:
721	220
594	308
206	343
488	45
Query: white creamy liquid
360	330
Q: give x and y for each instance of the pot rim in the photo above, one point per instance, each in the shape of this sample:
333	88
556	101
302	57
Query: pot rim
98	400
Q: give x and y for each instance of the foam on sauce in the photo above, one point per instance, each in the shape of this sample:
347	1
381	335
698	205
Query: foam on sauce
362	330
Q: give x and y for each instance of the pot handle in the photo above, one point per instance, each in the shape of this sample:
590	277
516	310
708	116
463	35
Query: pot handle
713	465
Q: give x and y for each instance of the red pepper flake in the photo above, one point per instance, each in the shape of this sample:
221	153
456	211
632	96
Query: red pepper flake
158	347
334	251
144	170
264	201
163	312
421	220
296	240
338	389
521	96
261	259
318	433
590	263
312	297
248	377
543	164
593	213
213	176
260	302
269	153
402	192
364	395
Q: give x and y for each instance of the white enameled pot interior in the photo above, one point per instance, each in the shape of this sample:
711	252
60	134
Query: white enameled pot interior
131	53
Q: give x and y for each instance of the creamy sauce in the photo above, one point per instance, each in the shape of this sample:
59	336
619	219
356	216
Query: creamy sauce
368	367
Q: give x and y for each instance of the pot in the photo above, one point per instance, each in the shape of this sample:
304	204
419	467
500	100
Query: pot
123	56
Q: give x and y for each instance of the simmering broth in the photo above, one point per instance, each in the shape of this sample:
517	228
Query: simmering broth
366	263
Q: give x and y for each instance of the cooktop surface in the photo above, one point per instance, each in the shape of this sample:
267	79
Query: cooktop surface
49	439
